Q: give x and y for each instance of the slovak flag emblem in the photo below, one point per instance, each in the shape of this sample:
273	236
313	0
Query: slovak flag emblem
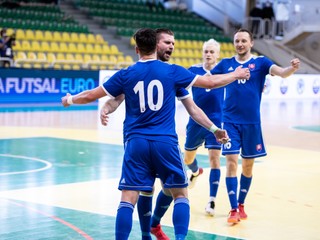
259	147
251	66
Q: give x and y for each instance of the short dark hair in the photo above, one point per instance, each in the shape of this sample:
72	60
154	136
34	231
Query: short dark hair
245	30
146	40
163	30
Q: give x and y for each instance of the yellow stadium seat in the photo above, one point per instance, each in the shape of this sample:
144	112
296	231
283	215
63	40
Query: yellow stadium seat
96	57
54	47
106	49
83	38
48	36
42	56
35	46
29	35
17	46
72	47
87	57
31	56
89	48
74	37
78	56
39	35
57	36
63	47
81	48
21	55
25	45
97	49
70	57
20	35
99	39
91	38
51	58
66	37
45	46
60	56
114	49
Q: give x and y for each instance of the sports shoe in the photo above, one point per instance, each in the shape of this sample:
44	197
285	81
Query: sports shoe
193	178
242	213
210	208
157	231
233	216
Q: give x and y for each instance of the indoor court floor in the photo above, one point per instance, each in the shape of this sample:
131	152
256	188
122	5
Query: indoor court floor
59	171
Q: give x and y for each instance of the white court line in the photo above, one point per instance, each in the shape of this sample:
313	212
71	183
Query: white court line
47	164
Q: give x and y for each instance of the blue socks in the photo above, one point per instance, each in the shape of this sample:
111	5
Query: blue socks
124	220
232	186
181	217
162	204
144	206
245	183
193	166
214	180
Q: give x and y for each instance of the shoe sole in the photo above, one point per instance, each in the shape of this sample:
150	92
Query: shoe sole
233	221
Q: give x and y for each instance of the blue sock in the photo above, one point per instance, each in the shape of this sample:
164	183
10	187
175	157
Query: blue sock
144	207
162	205
181	217
245	183
214	179
124	220
193	166
232	187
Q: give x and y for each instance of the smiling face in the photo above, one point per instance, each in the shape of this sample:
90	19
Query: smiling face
165	47
243	43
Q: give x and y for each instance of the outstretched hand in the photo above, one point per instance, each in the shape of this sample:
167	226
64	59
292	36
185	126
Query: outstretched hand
242	73
64	100
222	136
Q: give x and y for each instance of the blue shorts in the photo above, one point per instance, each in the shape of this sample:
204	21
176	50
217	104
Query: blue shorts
144	160
247	137
197	135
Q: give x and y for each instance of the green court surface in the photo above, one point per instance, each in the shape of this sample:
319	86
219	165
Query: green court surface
38	162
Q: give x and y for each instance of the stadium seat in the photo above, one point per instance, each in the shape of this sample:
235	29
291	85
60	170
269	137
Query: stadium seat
35	46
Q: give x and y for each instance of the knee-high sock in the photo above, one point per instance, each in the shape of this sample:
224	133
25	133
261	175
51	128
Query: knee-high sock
181	217
214	180
162	205
193	166
245	183
124	220
144	207
232	187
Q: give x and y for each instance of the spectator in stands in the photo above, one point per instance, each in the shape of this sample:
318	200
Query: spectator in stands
6	52
256	15
268	16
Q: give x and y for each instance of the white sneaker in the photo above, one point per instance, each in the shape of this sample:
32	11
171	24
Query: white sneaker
193	178
210	208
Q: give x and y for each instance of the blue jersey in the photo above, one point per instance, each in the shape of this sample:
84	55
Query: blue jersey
243	98
150	88
209	100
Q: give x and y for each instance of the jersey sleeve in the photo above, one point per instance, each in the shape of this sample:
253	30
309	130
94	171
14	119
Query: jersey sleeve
182	93
113	86
183	77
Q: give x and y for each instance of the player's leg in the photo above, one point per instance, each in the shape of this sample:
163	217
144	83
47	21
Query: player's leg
163	202
181	212
137	175
124	213
214	179
195	138
252	147
169	165
231	150
144	207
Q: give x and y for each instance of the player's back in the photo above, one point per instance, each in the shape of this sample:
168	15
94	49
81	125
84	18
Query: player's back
149	88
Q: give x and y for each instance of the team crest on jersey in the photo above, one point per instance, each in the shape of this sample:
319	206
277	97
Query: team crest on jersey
251	66
259	147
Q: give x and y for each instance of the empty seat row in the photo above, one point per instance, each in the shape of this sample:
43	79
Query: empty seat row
44	46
